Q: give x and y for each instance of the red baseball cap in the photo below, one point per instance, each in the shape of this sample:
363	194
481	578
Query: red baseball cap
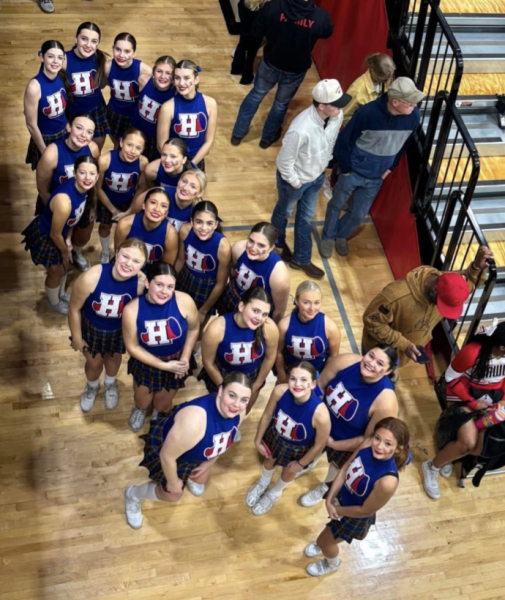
452	292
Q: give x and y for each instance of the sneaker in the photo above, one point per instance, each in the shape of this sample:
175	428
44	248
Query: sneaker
314	496
61	307
80	262
326	248
255	493
264	145
327	191
322	567
264	504
197	489
88	397
285	253
47	6
111	396
137	418
430	480
238	437
341	246
104	258
312	550
133	510
446	470
235	140
309	269
65	297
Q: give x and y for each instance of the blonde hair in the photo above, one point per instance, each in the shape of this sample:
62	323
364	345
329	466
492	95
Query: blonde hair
255	4
381	64
307	286
135	243
200	175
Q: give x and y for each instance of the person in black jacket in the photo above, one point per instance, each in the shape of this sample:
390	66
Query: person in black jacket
248	46
292	28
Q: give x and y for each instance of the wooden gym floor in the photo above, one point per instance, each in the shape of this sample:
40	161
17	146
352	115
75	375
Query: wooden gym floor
62	529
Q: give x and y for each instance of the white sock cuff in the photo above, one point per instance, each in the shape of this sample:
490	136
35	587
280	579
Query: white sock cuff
332	473
108	380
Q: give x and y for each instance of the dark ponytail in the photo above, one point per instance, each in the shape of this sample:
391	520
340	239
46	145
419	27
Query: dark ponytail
487	342
257	293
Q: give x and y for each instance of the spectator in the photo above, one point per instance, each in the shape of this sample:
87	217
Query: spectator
292	28
475	383
306	150
369	148
406	311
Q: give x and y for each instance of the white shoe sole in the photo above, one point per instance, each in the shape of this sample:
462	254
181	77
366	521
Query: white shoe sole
126	514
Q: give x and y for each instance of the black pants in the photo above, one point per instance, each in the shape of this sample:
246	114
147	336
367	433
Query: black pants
243	61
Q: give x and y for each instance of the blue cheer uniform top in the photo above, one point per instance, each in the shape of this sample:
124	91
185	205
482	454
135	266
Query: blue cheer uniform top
349	400
361	476
82	73
124	87
161	329
219	433
253	273
104	306
120	179
78	201
190	122
65	165
51	117
200	256
147	110
293	421
306	341
177	216
237	351
154	239
166	180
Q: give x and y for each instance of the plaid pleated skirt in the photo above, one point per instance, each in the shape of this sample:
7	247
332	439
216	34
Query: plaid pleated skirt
212	387
41	247
199	288
228	301
338	457
99	117
349	529
282	451
101	341
151	149
103	214
155	379
33	153
118	124
153	443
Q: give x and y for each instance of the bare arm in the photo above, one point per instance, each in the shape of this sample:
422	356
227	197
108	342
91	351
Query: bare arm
279	284
333	335
45	169
61	207
164	122
104	163
322	425
183	234
188	310
282	376
271	334
145	71
211	339
31	102
122	230
211	130
223	269
171	245
83	287
146	181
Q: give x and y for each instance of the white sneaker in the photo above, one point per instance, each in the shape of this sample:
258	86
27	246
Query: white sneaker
137	418
238	437
104	258
430	480
60	308
310	467
314	496
154	415
88	397
312	550
133	510
265	503
322	567
111	396
65	297
255	493
197	489
47	6
327	191
446	470
80	262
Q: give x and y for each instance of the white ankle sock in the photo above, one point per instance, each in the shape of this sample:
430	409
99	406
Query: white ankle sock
266	475
107	380
146	491
279	487
332	473
333	562
53	295
77	250
63	284
433	467
93	384
104	242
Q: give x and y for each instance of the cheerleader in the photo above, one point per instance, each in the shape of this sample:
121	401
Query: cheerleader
94	316
182	446
151	226
48	235
85	66
244	340
203	262
190	116
160	330
154	92
256	265
292	432
123	74
120	171
307	333
45	101
358	393
366	483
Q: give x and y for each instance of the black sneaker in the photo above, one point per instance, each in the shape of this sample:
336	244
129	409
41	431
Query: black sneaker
309	269
264	145
235	141
284	252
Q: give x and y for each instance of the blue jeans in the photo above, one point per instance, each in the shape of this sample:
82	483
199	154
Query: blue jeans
363	191
265	80
306	199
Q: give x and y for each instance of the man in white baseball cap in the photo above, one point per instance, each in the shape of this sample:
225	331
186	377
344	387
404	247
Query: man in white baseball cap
306	150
